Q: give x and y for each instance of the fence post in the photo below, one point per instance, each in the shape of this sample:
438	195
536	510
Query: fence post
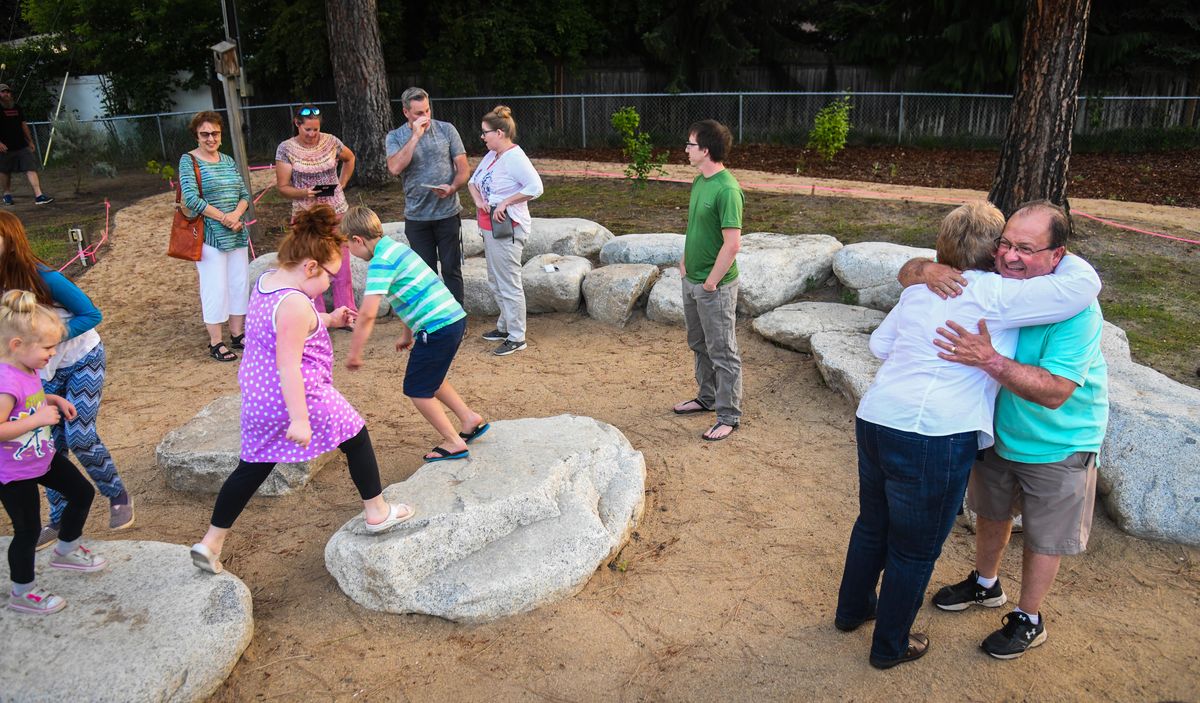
740	96
900	127
161	142
583	120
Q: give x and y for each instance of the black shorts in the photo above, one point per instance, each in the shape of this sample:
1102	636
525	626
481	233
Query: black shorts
22	161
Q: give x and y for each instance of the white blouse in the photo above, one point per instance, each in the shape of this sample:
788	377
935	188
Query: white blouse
915	391
500	177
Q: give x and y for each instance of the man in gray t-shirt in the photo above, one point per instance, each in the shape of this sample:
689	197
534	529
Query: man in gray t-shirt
429	154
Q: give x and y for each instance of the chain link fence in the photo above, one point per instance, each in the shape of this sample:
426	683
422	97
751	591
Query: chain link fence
582	121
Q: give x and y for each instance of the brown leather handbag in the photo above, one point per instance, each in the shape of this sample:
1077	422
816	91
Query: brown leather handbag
187	235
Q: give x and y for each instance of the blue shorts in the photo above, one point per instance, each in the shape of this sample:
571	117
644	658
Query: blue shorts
429	360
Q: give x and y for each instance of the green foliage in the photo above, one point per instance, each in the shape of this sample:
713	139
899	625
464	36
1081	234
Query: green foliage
81	146
163	171
636	147
830	127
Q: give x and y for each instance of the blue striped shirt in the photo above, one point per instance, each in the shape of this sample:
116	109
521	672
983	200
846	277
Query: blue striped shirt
223	189
416	294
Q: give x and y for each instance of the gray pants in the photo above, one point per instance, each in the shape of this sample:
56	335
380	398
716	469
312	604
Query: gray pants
710	319
504	279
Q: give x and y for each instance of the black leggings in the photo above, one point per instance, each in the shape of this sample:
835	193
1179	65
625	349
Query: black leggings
248	476
23	502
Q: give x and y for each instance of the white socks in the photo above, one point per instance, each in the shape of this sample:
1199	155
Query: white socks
1033	617
986	583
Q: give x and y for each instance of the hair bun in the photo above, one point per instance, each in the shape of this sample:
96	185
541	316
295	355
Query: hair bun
19	301
502	111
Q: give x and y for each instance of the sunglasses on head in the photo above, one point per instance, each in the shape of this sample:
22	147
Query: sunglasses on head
309	111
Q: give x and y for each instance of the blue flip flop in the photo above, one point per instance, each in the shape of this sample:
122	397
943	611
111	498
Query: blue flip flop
476	433
446	455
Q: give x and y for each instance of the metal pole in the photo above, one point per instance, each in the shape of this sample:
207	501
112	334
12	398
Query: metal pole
162	142
54	121
583	121
740	96
900	127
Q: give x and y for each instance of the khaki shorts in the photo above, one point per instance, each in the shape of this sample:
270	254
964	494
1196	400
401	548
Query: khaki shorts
1055	500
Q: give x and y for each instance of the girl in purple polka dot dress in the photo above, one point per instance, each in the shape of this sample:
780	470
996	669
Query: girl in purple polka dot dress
290	409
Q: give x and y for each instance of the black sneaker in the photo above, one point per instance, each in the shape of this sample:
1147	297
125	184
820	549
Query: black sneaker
1017	635
495	336
508	347
968	592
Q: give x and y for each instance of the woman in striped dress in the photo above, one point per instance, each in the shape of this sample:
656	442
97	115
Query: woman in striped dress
221	196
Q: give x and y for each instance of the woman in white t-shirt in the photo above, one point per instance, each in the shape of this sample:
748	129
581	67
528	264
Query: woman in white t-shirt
921	422
503	184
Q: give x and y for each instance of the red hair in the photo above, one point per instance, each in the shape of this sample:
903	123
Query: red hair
19	266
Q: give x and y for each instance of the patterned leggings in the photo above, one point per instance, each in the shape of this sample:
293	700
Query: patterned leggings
82	383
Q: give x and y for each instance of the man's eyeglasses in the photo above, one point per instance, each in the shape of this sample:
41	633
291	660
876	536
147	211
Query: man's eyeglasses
309	111
486	132
687	144
1003	244
209	135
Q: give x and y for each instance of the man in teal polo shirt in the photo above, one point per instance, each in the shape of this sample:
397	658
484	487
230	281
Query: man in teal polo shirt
710	279
1051	415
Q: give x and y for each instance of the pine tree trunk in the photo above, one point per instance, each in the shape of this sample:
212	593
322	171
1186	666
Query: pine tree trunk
360	79
1036	151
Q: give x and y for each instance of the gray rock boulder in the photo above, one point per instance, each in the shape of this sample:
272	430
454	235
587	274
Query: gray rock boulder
845	362
868	271
792	325
554	291
660	249
525	521
777	268
150	627
200	455
358	274
571	236
666	298
612	292
472	241
1149	470
477	296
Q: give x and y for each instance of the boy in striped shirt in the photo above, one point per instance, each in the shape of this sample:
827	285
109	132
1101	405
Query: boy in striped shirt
433	326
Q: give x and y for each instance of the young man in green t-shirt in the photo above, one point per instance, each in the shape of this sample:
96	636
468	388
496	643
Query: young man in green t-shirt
710	279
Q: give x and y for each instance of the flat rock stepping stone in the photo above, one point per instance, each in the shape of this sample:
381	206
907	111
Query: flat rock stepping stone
566	236
472	241
868	271
794	324
666	298
559	290
150	627
1149	473
845	362
660	249
477	296
612	292
778	268
358	279
199	456
526	521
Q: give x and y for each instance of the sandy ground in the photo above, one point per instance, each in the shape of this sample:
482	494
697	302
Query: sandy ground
727	590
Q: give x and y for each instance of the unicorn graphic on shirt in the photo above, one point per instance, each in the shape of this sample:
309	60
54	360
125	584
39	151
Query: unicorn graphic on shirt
38	437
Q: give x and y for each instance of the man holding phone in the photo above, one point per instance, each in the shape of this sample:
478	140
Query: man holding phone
430	156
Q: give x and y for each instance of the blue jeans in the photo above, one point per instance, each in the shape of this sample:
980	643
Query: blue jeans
910	488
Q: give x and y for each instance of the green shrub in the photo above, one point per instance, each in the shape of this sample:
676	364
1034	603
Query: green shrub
636	147
830	127
81	146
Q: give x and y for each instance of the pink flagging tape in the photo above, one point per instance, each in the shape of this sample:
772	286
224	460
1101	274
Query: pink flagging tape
813	188
94	247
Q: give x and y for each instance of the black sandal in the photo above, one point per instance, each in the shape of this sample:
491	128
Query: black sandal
220	352
237	341
700	408
707	438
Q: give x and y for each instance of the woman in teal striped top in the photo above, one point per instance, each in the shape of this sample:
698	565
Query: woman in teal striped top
221	196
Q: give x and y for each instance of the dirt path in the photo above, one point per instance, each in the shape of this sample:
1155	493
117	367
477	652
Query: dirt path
726	591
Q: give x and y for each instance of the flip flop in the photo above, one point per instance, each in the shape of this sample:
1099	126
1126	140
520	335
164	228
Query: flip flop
476	433
446	455
719	424
205	560
700	408
398	513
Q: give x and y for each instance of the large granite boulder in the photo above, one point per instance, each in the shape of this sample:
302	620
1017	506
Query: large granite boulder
472	241
612	292
666	298
200	455
477	296
567	236
845	362
778	268
868	271
558	290
525	521
1149	470
358	278
660	249
150	627
793	325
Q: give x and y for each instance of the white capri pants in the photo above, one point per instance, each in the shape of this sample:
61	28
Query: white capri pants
224	289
